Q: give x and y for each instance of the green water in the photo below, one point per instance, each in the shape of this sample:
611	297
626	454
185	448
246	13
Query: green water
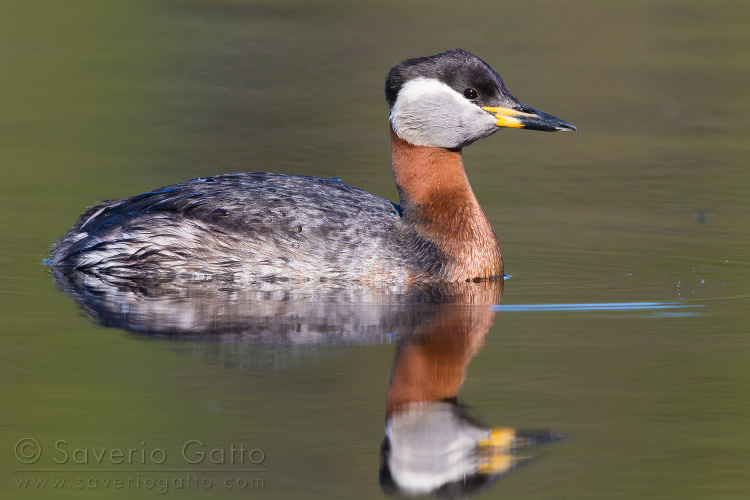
648	202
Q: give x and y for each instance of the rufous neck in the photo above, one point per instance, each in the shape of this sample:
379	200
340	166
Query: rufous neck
427	174
437	200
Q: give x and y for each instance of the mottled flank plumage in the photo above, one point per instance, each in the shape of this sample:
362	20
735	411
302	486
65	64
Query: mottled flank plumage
260	226
247	226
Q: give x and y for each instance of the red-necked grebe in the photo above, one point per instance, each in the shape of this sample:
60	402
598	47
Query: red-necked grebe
253	226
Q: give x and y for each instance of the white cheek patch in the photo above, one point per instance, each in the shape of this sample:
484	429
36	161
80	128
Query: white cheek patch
427	112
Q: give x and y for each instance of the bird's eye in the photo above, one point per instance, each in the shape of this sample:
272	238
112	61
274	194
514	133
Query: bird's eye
471	94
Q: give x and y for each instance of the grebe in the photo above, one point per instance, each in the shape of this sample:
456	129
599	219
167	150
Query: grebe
261	226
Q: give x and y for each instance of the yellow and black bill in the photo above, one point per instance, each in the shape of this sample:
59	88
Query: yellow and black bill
523	116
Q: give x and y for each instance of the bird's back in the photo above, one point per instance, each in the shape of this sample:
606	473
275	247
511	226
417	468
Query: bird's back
246	226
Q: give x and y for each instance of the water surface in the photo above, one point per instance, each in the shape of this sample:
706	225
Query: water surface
646	204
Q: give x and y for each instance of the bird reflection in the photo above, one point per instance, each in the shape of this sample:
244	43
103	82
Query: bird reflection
267	312
432	445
